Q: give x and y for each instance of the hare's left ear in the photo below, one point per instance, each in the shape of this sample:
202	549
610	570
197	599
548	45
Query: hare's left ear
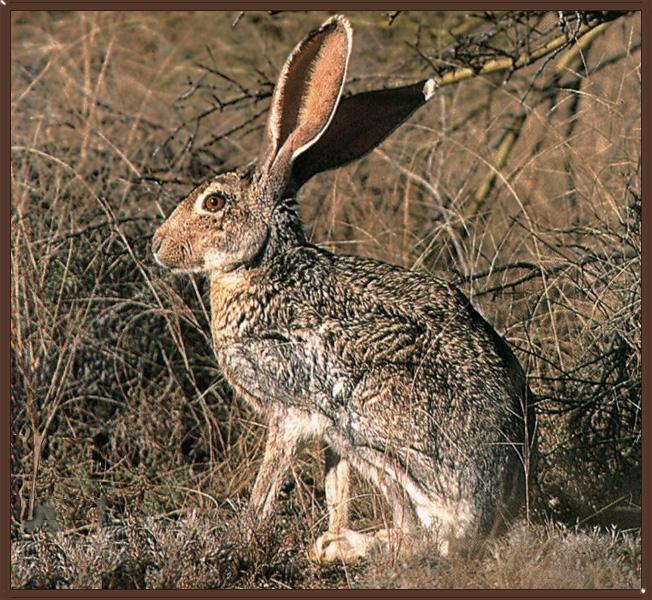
305	98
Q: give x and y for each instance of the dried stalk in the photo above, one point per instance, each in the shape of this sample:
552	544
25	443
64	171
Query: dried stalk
525	59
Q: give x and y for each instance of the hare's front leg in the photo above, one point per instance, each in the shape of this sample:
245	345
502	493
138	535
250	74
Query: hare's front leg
337	490
280	450
341	544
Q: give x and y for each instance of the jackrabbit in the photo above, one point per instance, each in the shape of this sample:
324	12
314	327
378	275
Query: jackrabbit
393	370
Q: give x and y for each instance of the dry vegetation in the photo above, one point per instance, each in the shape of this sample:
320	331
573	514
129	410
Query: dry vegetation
129	451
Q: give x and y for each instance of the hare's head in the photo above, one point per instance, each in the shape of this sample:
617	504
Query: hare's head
239	218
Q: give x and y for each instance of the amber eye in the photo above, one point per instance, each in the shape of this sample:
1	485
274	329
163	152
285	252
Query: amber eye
214	202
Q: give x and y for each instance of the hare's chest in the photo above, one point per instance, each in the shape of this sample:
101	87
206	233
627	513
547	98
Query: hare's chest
282	368
239	313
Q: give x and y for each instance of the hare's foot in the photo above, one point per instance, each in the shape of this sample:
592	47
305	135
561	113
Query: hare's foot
344	545
347	545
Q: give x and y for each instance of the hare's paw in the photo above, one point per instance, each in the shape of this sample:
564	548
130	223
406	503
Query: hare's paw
345	545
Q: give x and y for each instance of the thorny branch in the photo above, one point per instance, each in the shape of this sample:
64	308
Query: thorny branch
479	57
537	270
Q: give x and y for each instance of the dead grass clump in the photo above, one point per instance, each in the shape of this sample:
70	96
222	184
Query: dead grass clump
199	549
219	549
529	557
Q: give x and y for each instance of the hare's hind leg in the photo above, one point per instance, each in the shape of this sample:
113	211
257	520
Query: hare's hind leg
404	519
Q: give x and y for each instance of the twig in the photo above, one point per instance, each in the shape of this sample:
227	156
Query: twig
539	270
237	18
510	136
391	16
524	59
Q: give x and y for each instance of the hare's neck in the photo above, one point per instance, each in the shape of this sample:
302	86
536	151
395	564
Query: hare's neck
228	293
231	292
286	230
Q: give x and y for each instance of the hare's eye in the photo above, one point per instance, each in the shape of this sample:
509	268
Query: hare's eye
214	202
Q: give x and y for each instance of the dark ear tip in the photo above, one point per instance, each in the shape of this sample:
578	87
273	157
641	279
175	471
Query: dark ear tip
337	21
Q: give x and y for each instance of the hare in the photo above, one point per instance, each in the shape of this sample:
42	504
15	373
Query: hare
393	370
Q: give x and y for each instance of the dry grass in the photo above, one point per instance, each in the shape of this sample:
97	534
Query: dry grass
220	551
529	557
523	189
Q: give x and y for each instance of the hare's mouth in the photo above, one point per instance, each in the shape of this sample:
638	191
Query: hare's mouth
177	258
180	269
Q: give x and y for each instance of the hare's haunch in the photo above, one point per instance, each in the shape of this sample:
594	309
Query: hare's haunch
393	370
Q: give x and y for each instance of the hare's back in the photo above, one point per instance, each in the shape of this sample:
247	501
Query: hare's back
367	322
383	314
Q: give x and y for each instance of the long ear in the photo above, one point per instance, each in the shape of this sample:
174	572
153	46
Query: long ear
306	96
361	123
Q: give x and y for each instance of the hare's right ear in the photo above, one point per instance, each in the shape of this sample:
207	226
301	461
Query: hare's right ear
305	98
